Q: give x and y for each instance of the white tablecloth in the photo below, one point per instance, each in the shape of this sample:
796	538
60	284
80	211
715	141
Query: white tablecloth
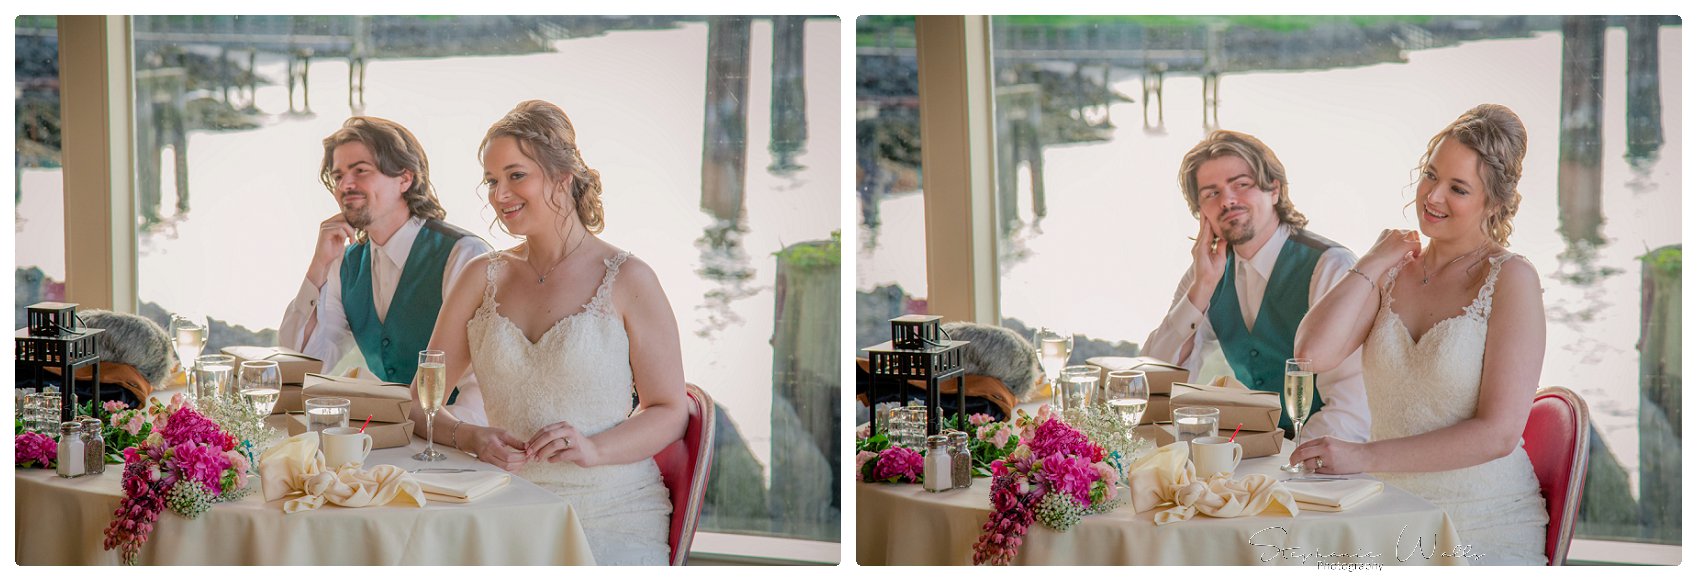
63	521
902	524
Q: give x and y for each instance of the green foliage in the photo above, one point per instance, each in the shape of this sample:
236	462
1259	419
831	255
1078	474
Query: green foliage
814	254
1664	260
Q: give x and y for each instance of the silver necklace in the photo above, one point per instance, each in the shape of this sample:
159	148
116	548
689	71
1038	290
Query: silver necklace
1426	275
542	277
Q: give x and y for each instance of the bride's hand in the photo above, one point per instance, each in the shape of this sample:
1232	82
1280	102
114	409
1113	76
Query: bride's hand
1391	248
561	442
498	447
1328	455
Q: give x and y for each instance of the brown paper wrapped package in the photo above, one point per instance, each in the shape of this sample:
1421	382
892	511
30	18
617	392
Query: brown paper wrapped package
1258	410
1160	409
384	402
294	365
1161	375
1255	444
383	435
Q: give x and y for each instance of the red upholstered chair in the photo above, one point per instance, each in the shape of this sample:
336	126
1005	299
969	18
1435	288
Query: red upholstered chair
684	467
1558	439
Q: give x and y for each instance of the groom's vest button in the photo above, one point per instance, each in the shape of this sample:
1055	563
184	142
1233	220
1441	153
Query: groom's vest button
1260	381
1252	352
391	371
385	341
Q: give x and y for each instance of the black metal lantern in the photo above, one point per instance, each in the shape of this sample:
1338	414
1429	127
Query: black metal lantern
916	351
54	339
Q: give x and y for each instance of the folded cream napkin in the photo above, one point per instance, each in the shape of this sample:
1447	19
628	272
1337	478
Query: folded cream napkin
461	487
1333	495
1166	477
295	465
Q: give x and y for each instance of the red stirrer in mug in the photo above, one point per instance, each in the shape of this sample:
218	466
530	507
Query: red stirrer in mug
1228	440
368	422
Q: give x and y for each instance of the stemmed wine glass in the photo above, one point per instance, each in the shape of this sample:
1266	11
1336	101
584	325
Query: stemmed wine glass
431	381
188	337
1127	394
259	383
1298	400
1053	350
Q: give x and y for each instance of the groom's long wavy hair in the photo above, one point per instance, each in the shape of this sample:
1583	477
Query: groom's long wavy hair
1263	165
396	151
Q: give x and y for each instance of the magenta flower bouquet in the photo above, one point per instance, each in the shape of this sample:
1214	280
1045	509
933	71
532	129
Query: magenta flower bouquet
1055	476
186	464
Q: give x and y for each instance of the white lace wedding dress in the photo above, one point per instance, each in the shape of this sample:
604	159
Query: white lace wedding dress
579	372
1417	387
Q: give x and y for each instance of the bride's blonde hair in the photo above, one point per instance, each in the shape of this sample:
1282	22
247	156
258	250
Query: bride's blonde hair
546	135
1499	137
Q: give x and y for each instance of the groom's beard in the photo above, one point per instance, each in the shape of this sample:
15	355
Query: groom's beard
359	217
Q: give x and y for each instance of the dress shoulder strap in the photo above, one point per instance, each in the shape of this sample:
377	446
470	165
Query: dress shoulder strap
603	300
1481	306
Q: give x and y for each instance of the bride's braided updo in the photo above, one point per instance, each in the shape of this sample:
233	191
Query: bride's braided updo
546	135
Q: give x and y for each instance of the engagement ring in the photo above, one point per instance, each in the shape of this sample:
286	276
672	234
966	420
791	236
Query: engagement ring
1318	463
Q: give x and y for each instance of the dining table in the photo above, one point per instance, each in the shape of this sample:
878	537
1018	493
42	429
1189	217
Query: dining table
903	524
61	521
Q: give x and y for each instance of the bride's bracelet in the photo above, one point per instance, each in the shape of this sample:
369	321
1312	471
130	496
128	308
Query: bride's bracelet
456	436
1352	270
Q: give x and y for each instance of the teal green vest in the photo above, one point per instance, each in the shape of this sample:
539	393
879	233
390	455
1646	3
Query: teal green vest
391	346
1257	357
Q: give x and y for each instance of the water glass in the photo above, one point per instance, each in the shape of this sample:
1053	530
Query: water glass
1196	422
1073	394
326	412
212	377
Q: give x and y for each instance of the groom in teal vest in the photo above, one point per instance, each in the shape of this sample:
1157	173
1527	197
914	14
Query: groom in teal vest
383	263
1255	270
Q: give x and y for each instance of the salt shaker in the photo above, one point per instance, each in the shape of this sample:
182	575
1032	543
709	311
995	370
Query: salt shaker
938	466
94	447
70	460
961	457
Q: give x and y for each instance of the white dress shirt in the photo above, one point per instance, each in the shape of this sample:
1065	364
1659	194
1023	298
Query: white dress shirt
1345	415
332	339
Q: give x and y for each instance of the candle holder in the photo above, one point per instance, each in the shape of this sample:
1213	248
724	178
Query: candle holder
916	351
55	339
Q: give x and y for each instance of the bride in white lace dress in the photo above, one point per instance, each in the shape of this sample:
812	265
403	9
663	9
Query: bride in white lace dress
563	329
1454	342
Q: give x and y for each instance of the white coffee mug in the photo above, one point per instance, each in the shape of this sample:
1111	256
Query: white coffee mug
343	446
1215	455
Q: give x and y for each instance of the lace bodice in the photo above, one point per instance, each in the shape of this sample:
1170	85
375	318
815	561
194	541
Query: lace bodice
1414	387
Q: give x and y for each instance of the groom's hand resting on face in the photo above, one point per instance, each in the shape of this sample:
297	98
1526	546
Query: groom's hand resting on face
561	442
1207	265
498	447
334	233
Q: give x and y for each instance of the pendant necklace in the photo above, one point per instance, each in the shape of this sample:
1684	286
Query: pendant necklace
542	277
1426	275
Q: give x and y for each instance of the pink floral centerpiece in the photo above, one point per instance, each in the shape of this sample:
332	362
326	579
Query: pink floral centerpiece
186	462
1055	475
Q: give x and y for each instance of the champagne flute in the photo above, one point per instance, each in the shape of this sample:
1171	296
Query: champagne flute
260	382
1053	350
1298	400
1128	395
188	337
432	382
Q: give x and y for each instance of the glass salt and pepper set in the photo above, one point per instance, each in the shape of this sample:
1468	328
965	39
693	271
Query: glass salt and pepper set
82	448
948	461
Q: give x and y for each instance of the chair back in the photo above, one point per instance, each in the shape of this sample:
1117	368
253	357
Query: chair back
684	467
1558	440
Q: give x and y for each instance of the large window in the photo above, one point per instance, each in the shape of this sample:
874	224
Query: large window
717	140
1094	233
890	269
38	189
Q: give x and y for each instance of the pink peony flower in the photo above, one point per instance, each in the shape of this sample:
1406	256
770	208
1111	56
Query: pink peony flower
1056	437
186	426
203	463
897	464
38	449
1070	475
